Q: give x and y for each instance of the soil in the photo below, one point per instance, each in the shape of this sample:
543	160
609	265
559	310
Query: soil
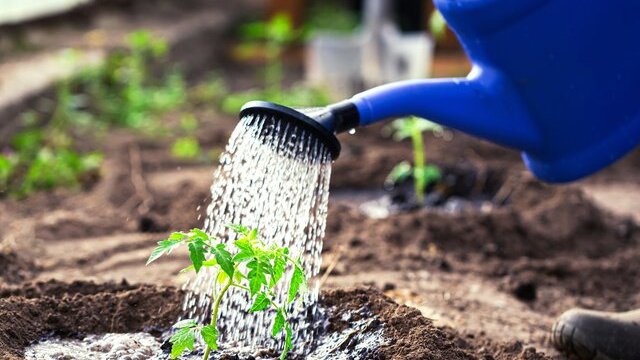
44	310
80	308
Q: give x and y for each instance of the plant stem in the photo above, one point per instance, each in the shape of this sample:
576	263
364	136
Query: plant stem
214	313
418	166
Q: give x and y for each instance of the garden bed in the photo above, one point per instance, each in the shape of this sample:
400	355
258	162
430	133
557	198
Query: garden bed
352	316
542	251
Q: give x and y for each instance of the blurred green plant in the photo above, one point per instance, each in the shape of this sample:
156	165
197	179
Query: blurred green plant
331	16
123	91
40	159
423	174
271	39
187	146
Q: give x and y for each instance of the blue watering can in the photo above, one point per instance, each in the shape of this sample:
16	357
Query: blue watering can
557	79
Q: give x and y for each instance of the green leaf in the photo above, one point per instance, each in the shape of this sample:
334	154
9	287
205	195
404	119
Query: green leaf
196	254
243	256
224	259
188	323
278	323
199	234
244	244
210	336
279	267
182	340
429	174
166	246
256	276
246	250
399	173
186	147
297	281
260	303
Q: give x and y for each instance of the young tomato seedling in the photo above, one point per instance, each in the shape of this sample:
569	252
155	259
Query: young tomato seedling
250	265
423	174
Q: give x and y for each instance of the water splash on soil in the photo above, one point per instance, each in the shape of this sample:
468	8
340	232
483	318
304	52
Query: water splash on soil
360	340
275	177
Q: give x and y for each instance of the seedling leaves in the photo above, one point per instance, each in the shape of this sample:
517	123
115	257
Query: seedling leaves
210	336
182	340
279	266
297	281
278	324
166	246
224	259
196	253
188	323
256	275
261	302
246	251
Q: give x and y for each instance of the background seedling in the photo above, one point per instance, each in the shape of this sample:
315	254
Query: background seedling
123	91
251	265
423	173
187	146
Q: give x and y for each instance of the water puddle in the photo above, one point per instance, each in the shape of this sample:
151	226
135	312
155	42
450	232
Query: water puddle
359	340
378	204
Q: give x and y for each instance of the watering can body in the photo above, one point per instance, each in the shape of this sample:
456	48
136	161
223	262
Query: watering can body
557	79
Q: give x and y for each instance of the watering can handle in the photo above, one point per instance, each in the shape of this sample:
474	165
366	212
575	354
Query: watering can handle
482	104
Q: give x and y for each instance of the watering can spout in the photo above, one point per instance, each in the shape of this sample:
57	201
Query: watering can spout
482	104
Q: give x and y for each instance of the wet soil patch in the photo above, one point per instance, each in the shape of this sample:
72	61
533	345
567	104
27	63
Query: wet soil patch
462	187
74	310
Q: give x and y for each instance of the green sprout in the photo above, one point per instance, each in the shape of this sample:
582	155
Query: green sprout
187	146
123	91
251	265
43	159
423	173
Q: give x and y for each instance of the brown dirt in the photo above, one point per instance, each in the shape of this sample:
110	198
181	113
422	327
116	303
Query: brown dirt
81	308
13	268
412	336
44	309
